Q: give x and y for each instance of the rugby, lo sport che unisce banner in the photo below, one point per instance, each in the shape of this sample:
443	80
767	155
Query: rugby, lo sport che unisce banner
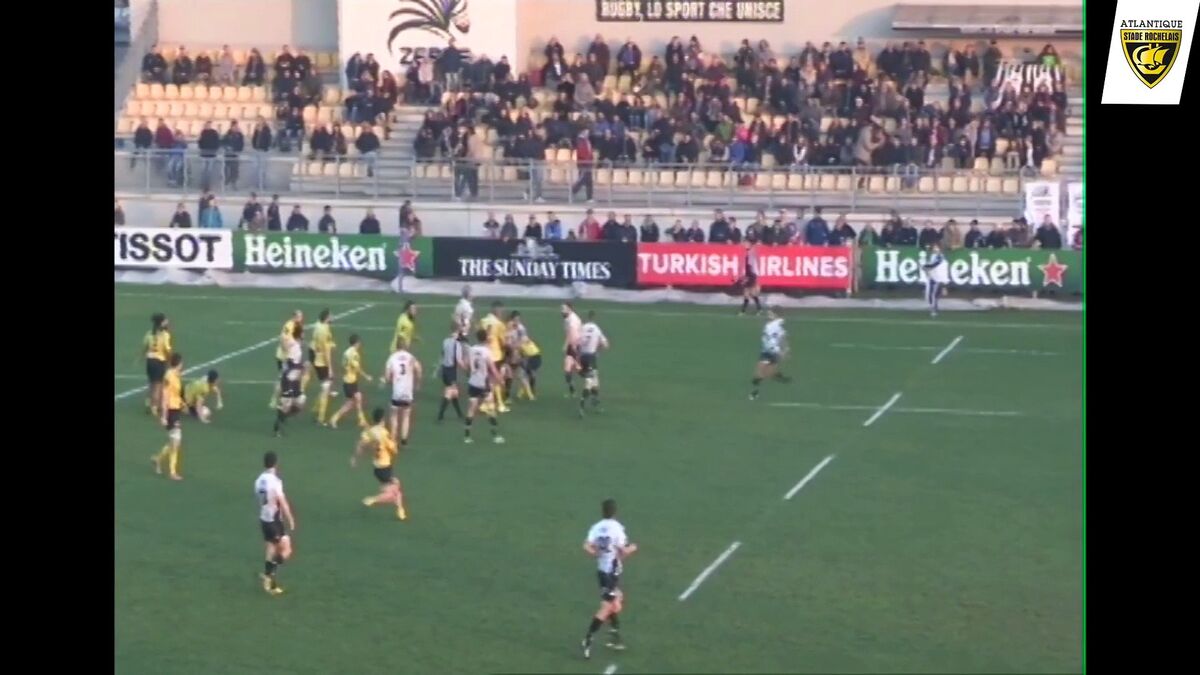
1011	269
399	31
162	247
768	11
532	261
800	267
364	255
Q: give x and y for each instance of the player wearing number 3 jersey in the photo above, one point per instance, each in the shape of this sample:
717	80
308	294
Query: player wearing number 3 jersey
608	544
403	373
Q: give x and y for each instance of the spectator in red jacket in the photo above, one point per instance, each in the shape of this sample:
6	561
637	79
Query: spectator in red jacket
584	156
589	229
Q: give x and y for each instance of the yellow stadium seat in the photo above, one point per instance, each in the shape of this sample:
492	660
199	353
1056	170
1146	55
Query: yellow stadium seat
779	182
244	94
795	182
637	177
175	108
322	61
1001	146
1010	186
239	57
508	173
267	112
298	169
762	181
345	169
696	177
141	90
200	92
740	103
312	169
325	115
665	179
446	172
997	166
205	110
713	178
310	114
892	184
162	108
258	94
146	108
227	94
548	155
1049	167
844	183
195	127
220	111
187	92
768	160
132	107
993	184
604	176
332	95
974	184
981	164
943	183
330	170
156	91
360	170
925	184
558	175
948	164
876	184
563	155
959	184
619	177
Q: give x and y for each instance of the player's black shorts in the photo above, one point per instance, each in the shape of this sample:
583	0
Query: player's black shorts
587	363
769	357
750	280
383	474
272	530
173	418
312	355
400	403
608	584
155	370
322	373
476	392
573	352
350	389
449	375
532	363
279	365
192	411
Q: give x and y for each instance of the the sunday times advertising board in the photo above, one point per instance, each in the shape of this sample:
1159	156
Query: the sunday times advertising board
743	11
161	247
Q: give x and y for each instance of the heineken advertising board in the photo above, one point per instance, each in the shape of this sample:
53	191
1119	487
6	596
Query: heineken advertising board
366	255
1009	269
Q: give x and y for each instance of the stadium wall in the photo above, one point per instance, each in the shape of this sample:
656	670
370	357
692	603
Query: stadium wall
267	24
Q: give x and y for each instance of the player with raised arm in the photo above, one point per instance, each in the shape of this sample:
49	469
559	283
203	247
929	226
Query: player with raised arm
170	405
403	372
571	326
749	280
464	313
321	357
774	350
609	545
483	373
378	439
591	342
454	357
281	352
195	395
273	510
352	371
291	380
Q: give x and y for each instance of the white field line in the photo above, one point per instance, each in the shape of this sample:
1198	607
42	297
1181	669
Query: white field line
806	316
612	668
340	325
933	348
244	350
913	411
882	409
804	481
942	354
709	570
223	380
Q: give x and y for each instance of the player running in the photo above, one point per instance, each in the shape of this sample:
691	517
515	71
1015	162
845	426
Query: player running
171	406
774	350
321	356
351	372
272	504
527	353
156	345
483	374
378	439
281	352
403	372
749	280
454	358
937	275
196	394
571	327
591	342
608	544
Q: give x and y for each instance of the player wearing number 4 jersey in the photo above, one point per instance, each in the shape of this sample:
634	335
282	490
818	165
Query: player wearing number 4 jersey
403	373
273	511
608	544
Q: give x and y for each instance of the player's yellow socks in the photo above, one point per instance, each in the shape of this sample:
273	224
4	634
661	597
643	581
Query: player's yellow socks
362	420
526	390
160	457
401	513
173	460
370	501
322	406
498	393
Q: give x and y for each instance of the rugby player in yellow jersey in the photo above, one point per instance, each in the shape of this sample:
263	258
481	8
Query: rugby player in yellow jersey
196	393
321	357
378	439
530	355
156	346
494	326
406	325
171	405
351	372
285	334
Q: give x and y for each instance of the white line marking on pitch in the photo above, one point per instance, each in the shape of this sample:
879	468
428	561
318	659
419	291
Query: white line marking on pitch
244	350
612	668
933	348
223	380
803	481
915	411
709	570
942	354
882	409
340	325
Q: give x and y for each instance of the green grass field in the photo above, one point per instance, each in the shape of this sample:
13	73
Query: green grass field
945	536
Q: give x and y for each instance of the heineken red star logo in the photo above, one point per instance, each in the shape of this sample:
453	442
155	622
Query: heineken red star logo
1053	271
408	258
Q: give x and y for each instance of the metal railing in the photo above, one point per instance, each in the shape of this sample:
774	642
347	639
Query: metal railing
958	192
142	37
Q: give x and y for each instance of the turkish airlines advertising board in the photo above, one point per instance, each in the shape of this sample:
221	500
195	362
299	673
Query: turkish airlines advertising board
681	265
